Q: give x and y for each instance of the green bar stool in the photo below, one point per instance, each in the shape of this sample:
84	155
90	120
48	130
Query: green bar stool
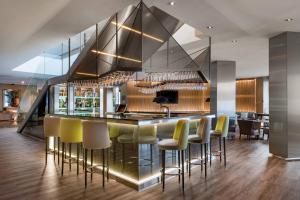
141	135
178	143
201	137
220	132
70	133
96	137
114	130
147	136
51	129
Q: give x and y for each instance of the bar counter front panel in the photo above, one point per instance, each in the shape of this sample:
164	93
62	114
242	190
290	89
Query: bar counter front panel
130	159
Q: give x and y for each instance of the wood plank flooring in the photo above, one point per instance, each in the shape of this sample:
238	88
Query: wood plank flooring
250	174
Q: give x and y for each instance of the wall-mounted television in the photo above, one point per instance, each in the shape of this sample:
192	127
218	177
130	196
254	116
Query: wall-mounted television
167	97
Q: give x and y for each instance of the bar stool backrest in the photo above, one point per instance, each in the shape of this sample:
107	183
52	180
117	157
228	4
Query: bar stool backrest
51	126
95	135
222	125
148	130
203	130
70	130
181	133
114	130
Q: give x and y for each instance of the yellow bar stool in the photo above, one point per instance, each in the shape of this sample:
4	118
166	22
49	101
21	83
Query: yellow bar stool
51	129
70	133
178	143
221	132
201	137
96	137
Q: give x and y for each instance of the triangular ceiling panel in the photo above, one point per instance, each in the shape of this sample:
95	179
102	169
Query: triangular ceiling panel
135	39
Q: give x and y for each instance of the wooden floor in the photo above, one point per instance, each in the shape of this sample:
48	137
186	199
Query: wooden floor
250	174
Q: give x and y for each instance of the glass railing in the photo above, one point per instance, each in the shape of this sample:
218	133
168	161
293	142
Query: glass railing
51	63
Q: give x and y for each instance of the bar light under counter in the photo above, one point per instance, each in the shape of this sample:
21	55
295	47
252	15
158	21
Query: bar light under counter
136	169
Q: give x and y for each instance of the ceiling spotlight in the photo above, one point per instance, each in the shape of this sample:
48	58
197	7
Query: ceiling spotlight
22	82
171	3
209	27
289	19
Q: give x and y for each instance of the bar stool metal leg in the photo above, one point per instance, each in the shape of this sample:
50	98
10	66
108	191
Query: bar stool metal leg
77	159
107	163
205	159
182	169
70	158
210	154
103	167
92	158
189	162
186	156
220	148
85	167
179	165
58	148
201	161
163	157
83	156
224	147
62	159
151	153
54	147
46	150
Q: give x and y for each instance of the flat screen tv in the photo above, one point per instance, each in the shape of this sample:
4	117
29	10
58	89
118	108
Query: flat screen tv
168	96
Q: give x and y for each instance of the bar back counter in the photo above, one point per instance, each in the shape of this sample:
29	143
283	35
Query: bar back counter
134	156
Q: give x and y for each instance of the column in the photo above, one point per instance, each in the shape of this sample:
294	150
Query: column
284	62
223	88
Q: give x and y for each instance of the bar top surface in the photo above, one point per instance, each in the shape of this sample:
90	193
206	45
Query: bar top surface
140	118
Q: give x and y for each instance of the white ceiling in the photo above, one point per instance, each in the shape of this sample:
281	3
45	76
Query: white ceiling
31	26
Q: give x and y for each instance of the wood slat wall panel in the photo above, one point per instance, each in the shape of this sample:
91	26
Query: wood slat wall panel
246	95
259	95
188	101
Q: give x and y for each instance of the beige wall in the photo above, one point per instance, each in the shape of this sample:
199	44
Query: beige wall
21	88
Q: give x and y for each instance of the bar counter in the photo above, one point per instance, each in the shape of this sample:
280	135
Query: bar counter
140	118
133	160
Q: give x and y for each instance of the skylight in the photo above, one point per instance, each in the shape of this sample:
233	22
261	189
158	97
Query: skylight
46	65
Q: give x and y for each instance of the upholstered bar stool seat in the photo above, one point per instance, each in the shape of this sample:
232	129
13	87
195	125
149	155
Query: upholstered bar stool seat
214	133
168	144
126	138
194	139
178	143
96	137
202	138
147	139
52	129
220	132
70	133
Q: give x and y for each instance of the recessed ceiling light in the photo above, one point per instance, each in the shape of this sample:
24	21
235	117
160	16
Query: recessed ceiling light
289	19
171	3
209	27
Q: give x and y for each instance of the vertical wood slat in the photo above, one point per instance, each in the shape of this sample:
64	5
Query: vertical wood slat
249	95
188	100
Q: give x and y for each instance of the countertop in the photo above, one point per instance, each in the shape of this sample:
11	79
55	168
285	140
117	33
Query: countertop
141	118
